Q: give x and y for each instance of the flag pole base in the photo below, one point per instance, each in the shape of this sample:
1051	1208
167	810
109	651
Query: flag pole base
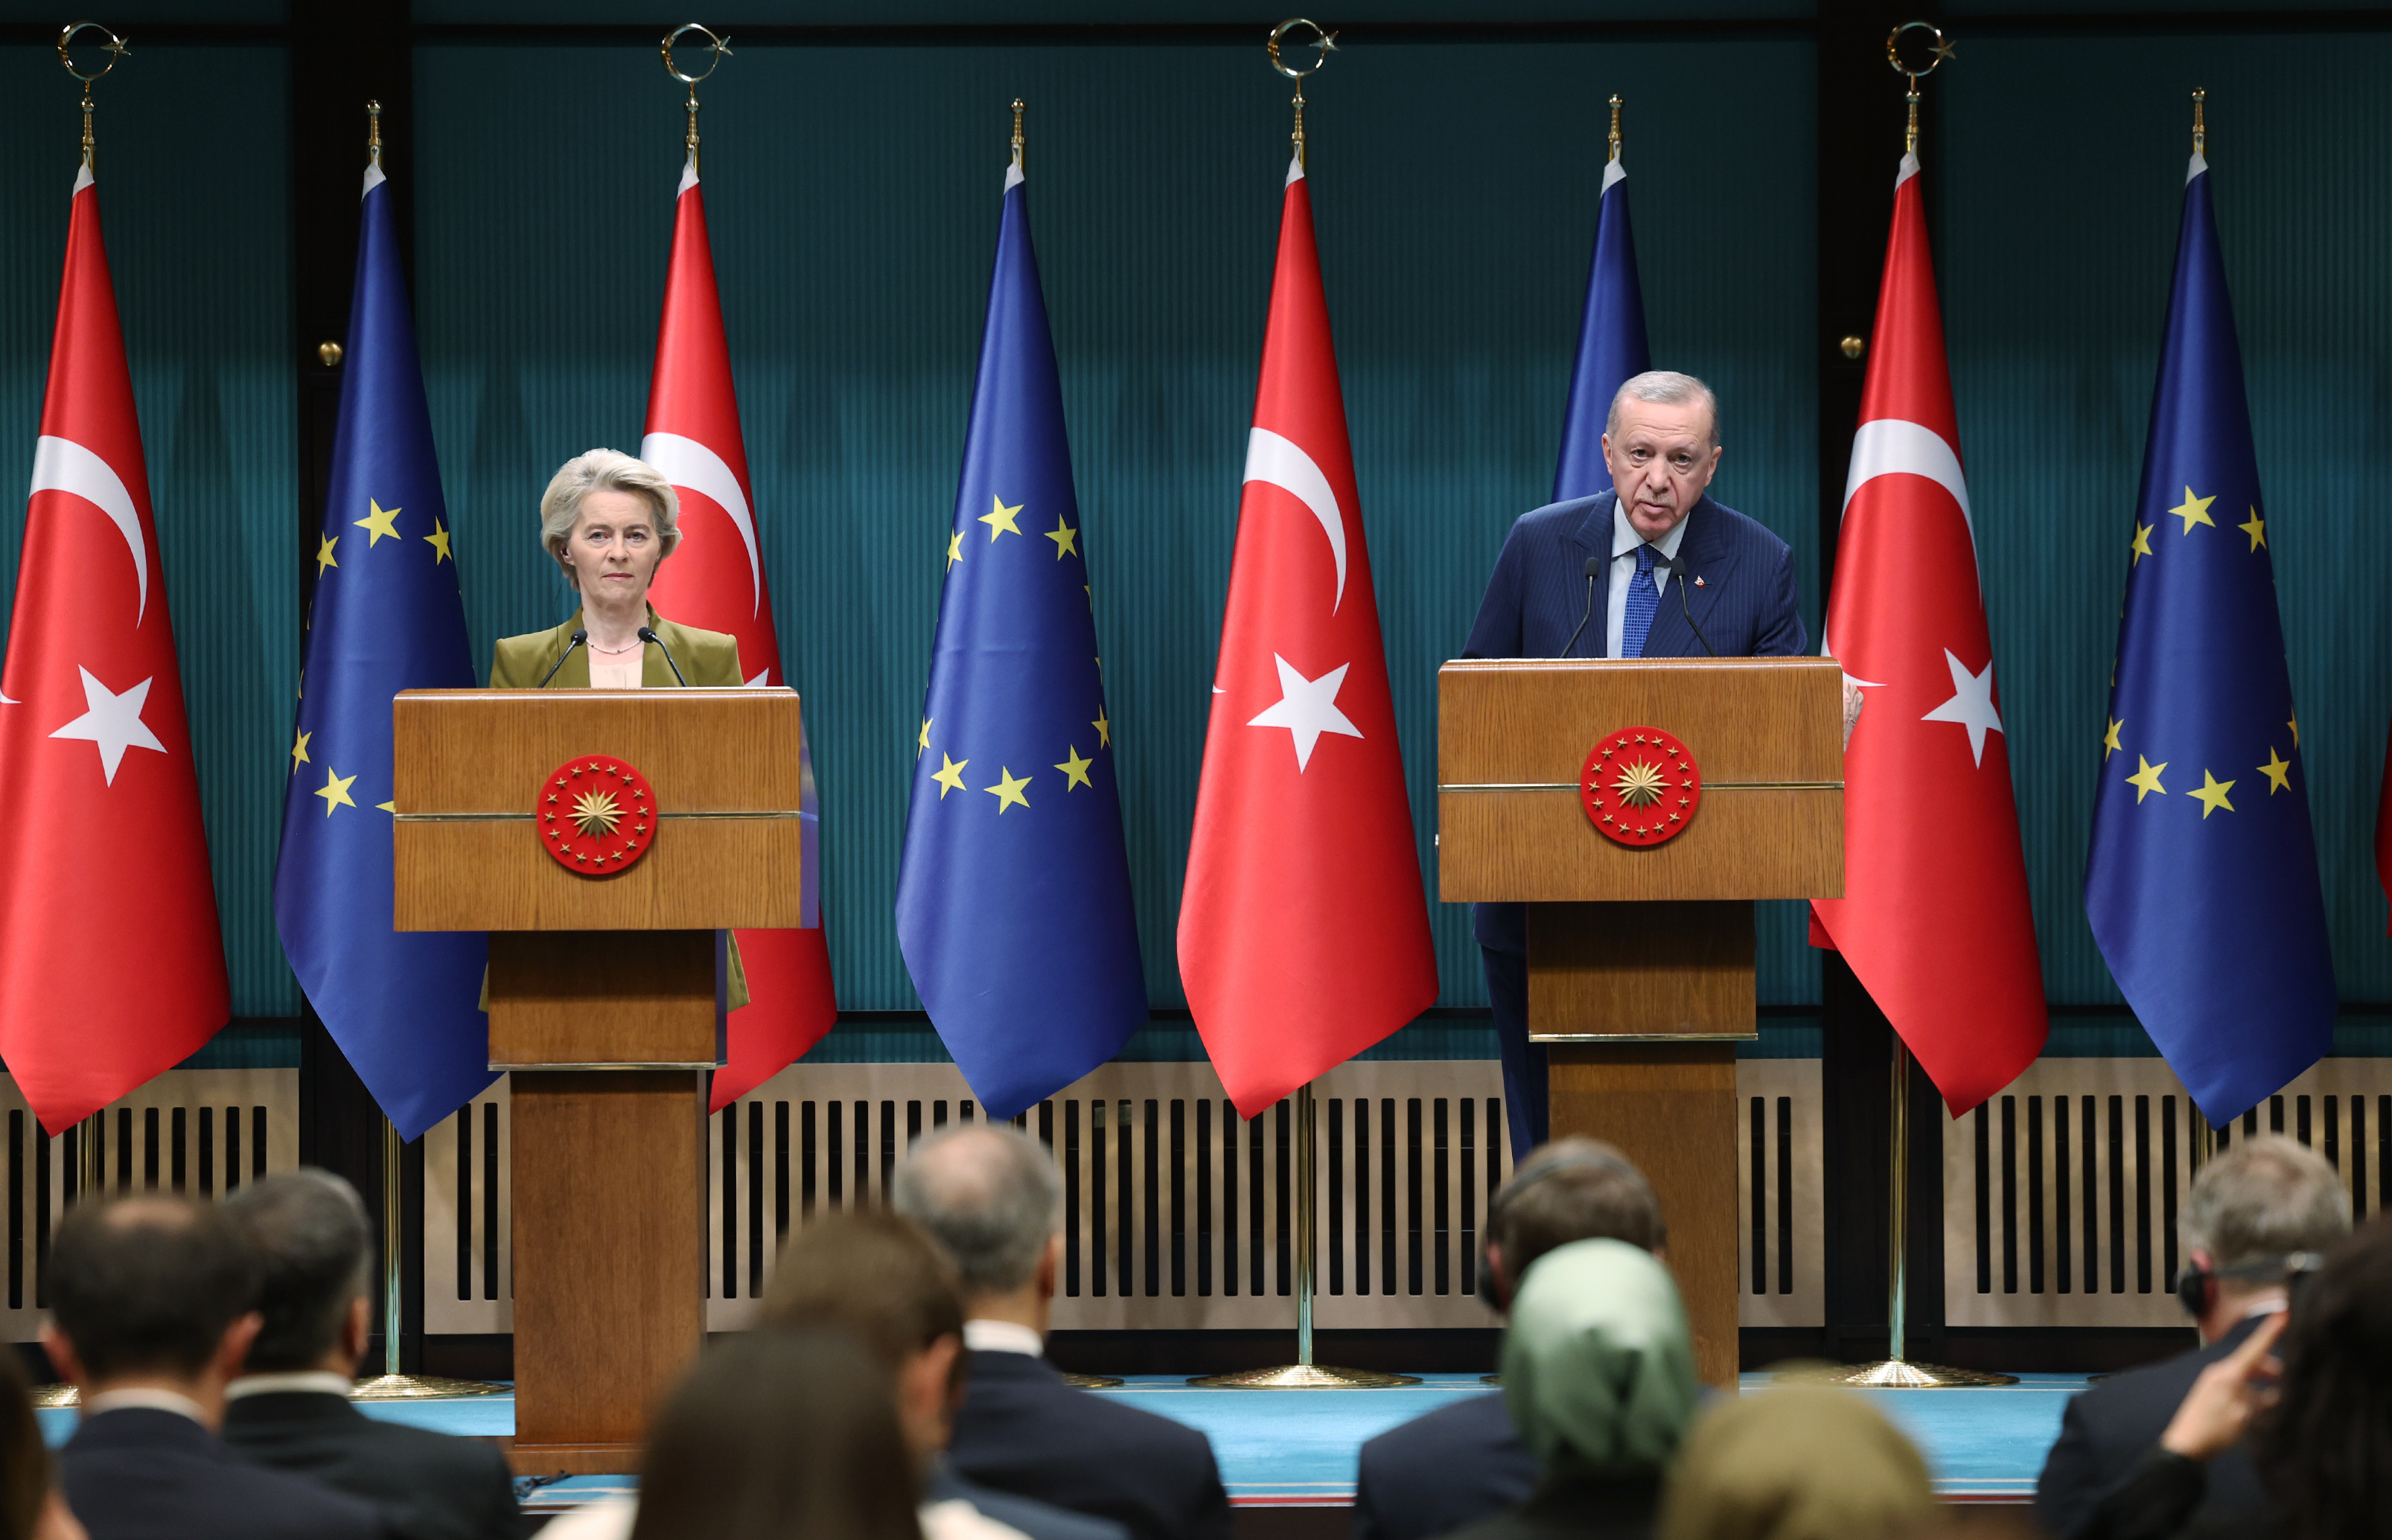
1895	1373
422	1386
1303	1377
56	1395
1095	1381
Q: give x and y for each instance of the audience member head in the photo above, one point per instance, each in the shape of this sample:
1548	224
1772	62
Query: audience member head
779	1435
2266	1198
989	1193
1572	1189
308	1234
2325	1448
32	1506
1599	1363
1800	1462
151	1292
877	1278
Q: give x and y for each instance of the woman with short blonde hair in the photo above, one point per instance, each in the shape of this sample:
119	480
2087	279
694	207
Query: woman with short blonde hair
609	521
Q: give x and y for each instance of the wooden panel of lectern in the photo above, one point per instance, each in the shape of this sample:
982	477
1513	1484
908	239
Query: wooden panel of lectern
1641	960
607	1000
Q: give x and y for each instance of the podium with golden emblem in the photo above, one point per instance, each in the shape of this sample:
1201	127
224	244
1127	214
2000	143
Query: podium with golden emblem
606	839
1638	806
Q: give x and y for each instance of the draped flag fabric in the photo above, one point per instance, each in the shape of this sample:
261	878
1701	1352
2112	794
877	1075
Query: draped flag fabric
403	1005
1934	920
2203	886
1013	895
1611	348
114	969
1303	925
715	580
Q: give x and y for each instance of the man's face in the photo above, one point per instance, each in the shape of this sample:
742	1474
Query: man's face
1661	457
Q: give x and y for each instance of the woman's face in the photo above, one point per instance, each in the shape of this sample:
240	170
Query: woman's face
614	548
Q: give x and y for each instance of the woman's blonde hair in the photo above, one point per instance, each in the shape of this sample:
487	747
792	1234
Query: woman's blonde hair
604	470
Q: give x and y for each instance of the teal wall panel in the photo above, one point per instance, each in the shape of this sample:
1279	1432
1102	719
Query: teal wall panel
194	167
2057	211
853	195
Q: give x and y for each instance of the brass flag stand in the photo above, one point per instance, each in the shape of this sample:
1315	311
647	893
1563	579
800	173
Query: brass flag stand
1895	1371
1304	1374
391	1384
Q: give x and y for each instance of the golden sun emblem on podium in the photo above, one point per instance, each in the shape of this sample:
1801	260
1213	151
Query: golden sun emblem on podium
1640	786
596	815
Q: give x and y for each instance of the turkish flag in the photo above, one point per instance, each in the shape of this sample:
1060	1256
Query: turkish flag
1302	926
111	965
1934	919
715	581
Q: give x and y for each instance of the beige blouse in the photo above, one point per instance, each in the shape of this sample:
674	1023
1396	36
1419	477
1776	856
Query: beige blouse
616	673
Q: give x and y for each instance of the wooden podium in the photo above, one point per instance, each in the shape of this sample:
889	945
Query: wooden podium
606	1002
1640	960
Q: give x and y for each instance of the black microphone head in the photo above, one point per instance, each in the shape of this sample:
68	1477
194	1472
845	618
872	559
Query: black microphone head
1594	565
580	637
647	635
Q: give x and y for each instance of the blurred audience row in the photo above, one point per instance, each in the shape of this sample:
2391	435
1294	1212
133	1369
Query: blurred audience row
898	1389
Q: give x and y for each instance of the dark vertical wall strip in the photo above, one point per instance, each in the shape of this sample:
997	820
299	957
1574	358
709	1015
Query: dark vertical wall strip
2060	204
853	194
194	180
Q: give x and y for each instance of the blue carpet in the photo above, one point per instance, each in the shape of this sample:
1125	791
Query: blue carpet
1295	1447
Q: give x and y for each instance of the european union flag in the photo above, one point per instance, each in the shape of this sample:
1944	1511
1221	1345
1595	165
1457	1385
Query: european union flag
1013	904
386	618
1611	348
2202	885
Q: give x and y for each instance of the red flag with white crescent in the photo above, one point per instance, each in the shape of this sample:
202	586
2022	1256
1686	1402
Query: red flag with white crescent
111	965
1304	931
1934	919
715	580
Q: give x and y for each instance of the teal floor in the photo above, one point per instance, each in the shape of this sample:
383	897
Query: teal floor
1289	1447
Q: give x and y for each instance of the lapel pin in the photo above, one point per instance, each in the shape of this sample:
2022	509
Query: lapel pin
1698	582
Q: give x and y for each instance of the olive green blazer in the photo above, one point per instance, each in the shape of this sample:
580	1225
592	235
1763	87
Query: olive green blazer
707	658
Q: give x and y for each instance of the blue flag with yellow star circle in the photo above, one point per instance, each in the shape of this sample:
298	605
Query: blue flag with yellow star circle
386	616
2202	885
1013	901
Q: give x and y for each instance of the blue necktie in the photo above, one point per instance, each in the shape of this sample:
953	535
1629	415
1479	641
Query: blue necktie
1643	598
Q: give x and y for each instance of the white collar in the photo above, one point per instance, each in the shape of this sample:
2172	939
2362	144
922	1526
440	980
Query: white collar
1624	537
1003	1336
147	1398
308	1382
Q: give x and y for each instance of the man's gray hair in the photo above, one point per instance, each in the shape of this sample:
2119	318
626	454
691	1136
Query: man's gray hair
604	471
1663	387
989	1193
314	1248
2264	1197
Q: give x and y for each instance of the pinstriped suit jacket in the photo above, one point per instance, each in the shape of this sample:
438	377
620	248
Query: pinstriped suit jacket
1746	607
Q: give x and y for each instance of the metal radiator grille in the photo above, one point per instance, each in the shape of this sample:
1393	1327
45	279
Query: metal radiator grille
1177	1211
2060	1195
1780	1183
200	1131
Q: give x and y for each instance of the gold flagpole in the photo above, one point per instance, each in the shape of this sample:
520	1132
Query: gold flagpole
1895	1371
391	1384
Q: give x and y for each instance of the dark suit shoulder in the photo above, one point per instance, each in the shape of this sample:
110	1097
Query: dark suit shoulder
1741	531
428	1485
1021	1430
1441	1470
139	1474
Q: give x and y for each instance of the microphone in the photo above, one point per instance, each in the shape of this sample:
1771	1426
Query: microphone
579	638
1594	565
1682	609
648	634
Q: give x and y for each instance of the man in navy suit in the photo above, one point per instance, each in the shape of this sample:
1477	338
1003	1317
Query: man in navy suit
152	1305
1464	1461
989	1195
2252	1215
1677	576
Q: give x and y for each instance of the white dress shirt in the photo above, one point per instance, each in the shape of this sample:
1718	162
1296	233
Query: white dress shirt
1003	1336
1624	540
305	1381
155	1401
